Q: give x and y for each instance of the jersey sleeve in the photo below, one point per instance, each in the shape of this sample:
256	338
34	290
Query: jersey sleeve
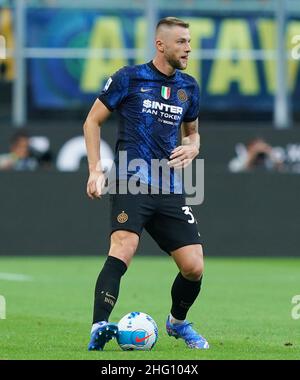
115	90
194	108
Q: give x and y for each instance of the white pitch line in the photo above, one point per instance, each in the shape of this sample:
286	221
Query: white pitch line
15	277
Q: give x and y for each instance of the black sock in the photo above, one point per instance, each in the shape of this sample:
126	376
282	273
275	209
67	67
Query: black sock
184	292
107	288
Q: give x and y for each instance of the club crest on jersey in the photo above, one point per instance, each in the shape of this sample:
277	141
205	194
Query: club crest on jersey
165	92
182	96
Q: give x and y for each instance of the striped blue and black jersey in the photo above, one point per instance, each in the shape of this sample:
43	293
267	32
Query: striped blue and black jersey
152	107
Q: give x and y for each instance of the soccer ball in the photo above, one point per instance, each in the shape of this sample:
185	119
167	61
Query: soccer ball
137	331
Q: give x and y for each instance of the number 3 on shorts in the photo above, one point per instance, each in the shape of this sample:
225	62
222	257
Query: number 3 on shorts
188	211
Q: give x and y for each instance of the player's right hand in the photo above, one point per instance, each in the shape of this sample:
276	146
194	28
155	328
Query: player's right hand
95	184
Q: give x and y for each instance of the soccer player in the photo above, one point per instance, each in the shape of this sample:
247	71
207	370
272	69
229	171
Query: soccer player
154	100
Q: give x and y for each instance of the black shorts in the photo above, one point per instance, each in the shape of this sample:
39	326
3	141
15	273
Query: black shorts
165	217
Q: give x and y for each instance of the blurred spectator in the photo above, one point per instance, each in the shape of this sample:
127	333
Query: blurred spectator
257	154
19	157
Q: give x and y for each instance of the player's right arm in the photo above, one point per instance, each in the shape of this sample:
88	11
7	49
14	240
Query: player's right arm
114	91
91	128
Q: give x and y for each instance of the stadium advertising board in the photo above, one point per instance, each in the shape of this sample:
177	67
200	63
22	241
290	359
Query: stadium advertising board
228	81
242	210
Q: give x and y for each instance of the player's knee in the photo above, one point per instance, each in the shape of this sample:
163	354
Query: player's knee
193	268
124	244
190	262
192	272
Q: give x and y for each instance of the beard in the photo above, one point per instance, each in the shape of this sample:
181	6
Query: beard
175	63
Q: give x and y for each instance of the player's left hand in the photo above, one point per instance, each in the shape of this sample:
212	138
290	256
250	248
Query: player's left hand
182	156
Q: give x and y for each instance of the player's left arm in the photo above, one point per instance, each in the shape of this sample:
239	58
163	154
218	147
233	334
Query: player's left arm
183	155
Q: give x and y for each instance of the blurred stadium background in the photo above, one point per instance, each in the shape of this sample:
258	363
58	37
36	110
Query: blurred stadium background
58	55
55	56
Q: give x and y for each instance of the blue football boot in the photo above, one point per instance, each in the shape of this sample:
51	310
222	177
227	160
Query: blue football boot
102	334
187	333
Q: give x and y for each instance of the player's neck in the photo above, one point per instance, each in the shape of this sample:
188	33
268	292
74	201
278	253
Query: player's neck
163	67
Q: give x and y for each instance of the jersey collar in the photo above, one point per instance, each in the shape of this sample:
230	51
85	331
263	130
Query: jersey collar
154	68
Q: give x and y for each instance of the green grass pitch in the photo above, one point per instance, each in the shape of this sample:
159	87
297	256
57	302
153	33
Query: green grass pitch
244	309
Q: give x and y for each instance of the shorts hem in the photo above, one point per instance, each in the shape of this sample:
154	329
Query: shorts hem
125	229
181	245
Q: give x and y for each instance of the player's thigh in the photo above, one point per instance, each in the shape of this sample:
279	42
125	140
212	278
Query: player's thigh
174	226
129	213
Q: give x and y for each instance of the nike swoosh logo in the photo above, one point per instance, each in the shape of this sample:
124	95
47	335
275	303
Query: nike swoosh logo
139	340
109	295
145	89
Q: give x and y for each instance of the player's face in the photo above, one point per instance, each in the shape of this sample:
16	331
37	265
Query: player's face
177	47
